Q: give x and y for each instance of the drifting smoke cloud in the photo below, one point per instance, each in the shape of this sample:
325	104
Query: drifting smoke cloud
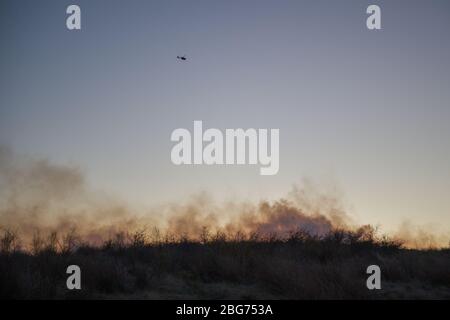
417	237
280	217
37	196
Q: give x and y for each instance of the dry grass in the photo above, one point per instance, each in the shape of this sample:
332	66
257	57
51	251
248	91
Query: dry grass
221	266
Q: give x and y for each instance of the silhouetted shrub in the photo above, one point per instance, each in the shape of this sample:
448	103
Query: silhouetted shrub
220	265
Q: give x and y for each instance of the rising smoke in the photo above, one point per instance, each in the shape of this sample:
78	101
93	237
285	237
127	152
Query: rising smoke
37	196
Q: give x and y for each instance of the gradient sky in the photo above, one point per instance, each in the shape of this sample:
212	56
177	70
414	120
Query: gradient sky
367	111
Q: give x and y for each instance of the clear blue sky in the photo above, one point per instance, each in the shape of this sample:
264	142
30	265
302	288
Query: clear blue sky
366	110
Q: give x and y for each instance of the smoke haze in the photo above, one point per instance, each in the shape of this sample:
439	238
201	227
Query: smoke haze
38	196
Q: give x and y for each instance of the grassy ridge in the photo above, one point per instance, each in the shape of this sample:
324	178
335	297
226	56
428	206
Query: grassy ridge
220	266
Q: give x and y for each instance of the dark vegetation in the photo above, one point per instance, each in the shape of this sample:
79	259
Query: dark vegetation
221	266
